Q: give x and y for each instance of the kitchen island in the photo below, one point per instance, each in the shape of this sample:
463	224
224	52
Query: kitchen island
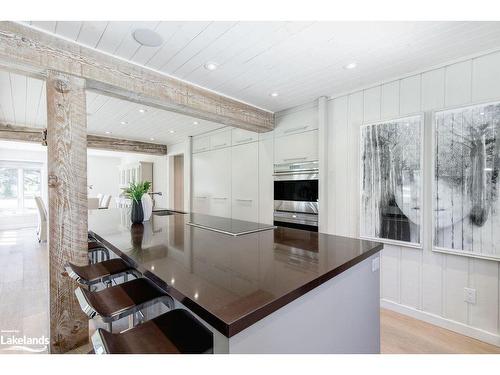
259	288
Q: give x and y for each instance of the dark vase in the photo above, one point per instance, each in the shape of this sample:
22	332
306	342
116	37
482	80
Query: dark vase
137	214
137	234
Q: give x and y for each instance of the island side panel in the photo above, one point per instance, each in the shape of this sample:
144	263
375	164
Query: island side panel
340	316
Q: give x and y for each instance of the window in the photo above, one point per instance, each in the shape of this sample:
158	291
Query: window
20	183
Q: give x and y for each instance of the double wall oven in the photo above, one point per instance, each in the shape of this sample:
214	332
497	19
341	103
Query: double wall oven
296	195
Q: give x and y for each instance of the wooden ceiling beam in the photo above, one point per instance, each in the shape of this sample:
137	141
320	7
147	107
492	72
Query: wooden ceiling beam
35	135
24	46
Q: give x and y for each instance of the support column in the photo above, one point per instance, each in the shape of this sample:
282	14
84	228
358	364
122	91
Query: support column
67	181
323	163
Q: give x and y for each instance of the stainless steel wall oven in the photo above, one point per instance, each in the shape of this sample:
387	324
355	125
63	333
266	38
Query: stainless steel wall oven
296	195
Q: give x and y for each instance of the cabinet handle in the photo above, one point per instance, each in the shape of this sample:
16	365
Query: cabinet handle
219	198
201	197
295	129
244	140
221	145
244	200
292	159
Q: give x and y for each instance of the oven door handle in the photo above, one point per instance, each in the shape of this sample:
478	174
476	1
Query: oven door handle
298	171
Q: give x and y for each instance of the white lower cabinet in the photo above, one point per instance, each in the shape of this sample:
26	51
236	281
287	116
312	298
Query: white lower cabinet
220	185
296	148
266	182
202	182
245	182
212	182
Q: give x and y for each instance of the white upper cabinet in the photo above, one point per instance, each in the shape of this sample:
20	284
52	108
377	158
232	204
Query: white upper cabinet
241	136
296	148
220	140
201	144
296	122
220	182
245	182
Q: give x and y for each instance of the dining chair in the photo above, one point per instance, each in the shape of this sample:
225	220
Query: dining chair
41	230
106	199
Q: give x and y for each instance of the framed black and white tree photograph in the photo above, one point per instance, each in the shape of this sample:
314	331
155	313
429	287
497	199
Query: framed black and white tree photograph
466	180
391	181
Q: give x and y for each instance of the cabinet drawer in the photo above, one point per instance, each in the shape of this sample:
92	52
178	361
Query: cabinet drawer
298	122
220	140
241	136
201	144
296	148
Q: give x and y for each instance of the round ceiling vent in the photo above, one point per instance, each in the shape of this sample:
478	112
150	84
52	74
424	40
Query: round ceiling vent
147	37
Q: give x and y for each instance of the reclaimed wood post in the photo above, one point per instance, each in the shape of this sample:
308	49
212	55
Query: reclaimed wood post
67	180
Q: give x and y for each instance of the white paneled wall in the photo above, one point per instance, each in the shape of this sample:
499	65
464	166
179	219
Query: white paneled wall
420	282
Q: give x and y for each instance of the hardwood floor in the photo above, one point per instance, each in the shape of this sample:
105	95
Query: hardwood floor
24	305
401	334
23	287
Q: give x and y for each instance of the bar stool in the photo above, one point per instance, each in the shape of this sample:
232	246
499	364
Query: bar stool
122	300
103	272
97	251
174	332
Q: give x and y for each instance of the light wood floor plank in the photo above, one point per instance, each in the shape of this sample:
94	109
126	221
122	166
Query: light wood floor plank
401	334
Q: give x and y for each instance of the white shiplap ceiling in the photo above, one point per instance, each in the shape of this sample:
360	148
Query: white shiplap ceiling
118	118
299	60
23	103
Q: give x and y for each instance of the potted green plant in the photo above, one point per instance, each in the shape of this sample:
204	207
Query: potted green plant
135	191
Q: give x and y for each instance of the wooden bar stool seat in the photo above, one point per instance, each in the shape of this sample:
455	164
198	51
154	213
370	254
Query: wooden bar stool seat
103	272
174	332
122	300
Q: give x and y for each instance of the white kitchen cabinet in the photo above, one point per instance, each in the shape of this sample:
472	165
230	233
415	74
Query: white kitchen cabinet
245	182
296	148
266	182
220	182
266	135
201	165
201	144
241	136
220	139
297	122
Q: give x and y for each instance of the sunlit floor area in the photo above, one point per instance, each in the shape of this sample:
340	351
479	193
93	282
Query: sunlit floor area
23	289
401	334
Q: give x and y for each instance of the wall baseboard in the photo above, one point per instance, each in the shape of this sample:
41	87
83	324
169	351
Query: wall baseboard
439	321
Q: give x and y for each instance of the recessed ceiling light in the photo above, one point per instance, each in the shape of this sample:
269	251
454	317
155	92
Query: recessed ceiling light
142	110
123	122
350	65
172	131
151	139
210	65
195	122
274	94
147	37
108	132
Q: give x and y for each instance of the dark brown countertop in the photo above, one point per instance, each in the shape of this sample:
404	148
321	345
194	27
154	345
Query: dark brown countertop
230	282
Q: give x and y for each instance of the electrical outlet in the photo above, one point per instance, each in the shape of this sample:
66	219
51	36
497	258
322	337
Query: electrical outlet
375	264
470	295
